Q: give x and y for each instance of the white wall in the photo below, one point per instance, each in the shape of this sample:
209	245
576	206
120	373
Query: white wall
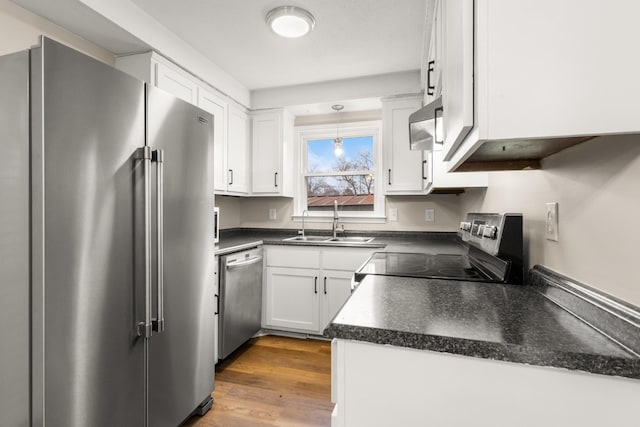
138	23
254	212
597	186
391	84
20	29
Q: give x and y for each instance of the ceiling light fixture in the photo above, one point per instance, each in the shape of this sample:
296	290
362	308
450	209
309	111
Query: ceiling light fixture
290	21
337	141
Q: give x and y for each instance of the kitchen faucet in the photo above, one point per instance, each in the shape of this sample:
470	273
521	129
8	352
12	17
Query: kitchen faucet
304	212
335	218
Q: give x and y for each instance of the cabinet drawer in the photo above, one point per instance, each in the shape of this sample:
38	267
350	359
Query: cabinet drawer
348	259
292	257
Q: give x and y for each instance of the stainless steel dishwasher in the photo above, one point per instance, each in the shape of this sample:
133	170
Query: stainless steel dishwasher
240	299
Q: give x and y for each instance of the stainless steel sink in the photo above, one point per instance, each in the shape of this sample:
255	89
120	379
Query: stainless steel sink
351	239
307	239
330	240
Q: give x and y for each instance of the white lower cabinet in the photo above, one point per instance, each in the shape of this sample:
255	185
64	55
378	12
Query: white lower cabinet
292	299
336	289
430	388
305	287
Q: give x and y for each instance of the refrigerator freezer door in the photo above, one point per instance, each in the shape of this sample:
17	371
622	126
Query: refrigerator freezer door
88	362
14	243
181	358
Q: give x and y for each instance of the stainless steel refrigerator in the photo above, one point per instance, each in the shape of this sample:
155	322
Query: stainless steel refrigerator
106	258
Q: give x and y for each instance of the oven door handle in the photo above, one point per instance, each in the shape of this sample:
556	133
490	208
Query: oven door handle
239	264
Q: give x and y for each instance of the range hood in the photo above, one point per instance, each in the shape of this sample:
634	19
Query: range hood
425	126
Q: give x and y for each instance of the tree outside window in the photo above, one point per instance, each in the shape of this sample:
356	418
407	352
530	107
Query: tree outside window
348	178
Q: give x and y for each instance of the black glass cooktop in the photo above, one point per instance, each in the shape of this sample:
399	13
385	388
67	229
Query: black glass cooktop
440	266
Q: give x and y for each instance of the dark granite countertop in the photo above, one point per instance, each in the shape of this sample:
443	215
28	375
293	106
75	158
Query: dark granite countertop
487	320
237	239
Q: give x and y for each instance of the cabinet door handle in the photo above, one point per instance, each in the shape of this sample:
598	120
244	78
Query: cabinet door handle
435	127
389	176
325	285
424	176
430	69
275	179
315	285
230	176
217	305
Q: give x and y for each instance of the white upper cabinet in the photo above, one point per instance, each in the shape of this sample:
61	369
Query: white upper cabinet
231	131
452	182
534	77
218	107
433	52
457	101
238	172
416	172
176	83
272	148
405	170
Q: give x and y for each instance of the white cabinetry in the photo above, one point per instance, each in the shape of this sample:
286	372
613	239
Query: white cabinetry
545	75
306	286
238	172
292	299
457	101
176	83
405	170
430	388
231	131
218	107
417	172
272	149
433	54
452	182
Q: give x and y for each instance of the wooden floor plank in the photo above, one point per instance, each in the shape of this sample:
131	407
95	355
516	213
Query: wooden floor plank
272	382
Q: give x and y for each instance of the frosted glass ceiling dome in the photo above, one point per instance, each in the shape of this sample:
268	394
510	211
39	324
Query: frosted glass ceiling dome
290	21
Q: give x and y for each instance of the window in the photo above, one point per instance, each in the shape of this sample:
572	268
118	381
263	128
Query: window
348	177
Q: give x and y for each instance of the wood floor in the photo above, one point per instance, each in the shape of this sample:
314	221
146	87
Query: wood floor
272	381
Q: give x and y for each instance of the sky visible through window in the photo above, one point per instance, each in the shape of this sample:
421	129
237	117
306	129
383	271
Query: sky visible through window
320	157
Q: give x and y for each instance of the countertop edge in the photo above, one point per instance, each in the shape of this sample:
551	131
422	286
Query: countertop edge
589	363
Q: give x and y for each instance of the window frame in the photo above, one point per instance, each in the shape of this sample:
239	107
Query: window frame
328	131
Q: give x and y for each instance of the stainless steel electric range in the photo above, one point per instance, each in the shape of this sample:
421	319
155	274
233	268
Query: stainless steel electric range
494	254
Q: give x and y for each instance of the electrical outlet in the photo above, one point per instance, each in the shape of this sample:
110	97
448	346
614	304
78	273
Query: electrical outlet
429	215
272	215
551	222
393	214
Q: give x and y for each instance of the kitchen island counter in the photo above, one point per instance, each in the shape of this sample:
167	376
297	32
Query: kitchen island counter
487	320
410	351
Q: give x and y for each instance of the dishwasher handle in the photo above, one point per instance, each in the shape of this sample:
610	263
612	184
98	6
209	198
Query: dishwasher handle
239	264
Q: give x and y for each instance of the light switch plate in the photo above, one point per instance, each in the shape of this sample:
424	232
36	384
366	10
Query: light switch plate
429	215
551	222
393	214
272	215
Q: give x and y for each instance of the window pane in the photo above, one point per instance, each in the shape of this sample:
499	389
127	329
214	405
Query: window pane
353	192
357	155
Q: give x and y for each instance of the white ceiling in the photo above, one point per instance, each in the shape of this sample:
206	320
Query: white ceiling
352	38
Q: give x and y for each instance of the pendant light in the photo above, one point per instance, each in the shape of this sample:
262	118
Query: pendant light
337	141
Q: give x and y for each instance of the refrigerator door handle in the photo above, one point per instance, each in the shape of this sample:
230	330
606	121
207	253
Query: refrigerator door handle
144	328
158	158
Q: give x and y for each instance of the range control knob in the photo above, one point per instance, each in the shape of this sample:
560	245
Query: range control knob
490	232
465	226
